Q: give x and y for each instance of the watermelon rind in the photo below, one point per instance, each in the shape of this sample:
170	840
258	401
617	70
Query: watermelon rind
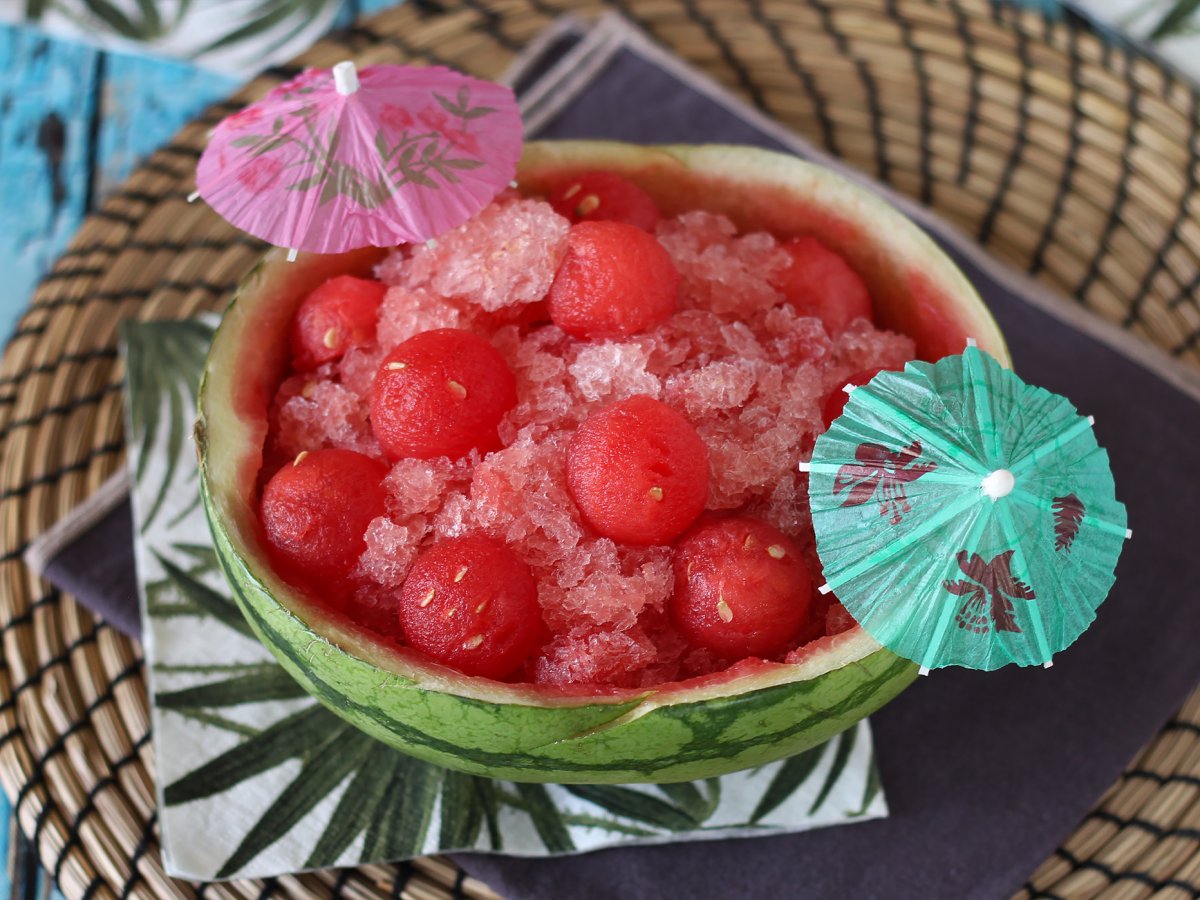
749	715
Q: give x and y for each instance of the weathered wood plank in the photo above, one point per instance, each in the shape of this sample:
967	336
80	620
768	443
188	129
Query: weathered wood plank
145	101
47	113
59	151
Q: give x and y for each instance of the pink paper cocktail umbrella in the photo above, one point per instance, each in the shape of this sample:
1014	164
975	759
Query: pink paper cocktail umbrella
338	159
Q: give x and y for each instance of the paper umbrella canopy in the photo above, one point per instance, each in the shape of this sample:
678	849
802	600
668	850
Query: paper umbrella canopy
339	159
964	517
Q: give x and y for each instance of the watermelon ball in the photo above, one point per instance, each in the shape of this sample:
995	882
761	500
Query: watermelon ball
441	393
336	316
616	280
741	589
315	511
819	282
638	471
605	196
836	400
471	603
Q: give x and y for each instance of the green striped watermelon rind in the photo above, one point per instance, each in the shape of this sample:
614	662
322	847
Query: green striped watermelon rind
748	715
622	738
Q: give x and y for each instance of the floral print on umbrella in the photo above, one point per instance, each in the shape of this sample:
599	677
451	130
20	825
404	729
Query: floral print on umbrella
885	472
990	588
381	156
1068	516
424	151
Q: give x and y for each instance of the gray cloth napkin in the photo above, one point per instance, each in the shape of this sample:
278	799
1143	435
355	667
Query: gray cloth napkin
987	772
89	554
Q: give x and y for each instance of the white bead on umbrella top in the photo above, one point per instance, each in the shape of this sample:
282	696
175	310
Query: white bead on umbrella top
345	77
998	484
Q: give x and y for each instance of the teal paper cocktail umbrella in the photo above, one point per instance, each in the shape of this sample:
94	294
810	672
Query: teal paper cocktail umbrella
964	517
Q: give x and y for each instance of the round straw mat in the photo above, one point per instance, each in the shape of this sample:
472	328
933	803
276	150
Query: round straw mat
1069	157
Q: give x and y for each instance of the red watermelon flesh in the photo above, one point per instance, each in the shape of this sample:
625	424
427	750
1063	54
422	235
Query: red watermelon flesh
746	369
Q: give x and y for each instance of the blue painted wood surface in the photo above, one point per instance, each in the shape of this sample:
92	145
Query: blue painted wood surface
143	102
73	123
46	107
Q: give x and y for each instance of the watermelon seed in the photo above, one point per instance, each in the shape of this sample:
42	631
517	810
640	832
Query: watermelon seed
482	606
462	573
723	610
427	599
472	642
776	552
396	366
749	542
587	205
299	457
330	338
452	613
457	390
572	190
656	493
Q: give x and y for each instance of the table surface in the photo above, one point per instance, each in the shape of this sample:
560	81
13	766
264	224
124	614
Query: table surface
74	122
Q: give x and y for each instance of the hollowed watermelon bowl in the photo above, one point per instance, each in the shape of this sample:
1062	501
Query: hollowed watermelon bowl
750	714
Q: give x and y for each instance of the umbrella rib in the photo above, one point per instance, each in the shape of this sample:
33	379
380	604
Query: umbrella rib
937	476
1035	616
885	410
1054	444
929	660
1024	496
901	544
977	379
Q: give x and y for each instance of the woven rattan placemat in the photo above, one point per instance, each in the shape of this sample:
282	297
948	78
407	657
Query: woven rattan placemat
1067	156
